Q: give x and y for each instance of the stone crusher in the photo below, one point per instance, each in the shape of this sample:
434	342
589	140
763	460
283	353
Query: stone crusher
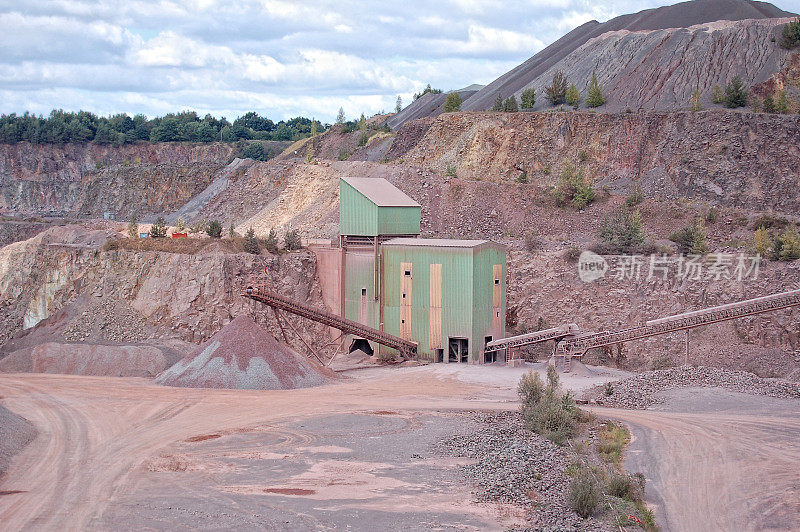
260	293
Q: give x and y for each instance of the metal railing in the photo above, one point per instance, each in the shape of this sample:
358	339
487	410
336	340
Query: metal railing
512	342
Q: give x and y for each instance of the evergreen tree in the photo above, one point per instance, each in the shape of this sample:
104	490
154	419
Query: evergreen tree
573	97
180	225
595	98
769	104
251	242
528	98
717	94
340	116
557	92
271	242
292	240
398	106
133	227
159	229
231	231
214	229
735	94
790	36
782	102
452	103
510	104
498	103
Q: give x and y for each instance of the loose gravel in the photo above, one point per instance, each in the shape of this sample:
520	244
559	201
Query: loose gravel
641	391
517	466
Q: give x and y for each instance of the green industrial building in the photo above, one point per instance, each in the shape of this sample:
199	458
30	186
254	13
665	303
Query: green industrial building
448	296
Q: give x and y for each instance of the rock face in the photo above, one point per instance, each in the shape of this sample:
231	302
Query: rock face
654	59
728	158
88	359
93	179
128	296
243	356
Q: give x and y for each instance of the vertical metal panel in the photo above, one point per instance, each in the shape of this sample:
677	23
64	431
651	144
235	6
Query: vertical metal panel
497	298
358	215
406	295
359	272
436	306
399	220
488	317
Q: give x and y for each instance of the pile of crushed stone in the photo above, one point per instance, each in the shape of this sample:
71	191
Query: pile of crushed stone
244	356
15	433
641	391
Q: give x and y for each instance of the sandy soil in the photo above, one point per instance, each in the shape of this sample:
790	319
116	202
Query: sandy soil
101	438
124	453
718	460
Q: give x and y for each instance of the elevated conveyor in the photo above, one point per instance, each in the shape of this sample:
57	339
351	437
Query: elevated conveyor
406	348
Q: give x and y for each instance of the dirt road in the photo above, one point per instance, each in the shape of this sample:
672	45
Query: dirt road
97	435
718	460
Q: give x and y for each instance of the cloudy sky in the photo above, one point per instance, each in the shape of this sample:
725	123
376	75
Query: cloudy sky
281	58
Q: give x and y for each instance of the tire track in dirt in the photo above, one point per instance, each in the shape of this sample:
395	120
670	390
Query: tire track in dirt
717	471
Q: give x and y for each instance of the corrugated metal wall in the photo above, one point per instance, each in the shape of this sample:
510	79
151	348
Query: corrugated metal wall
489	308
399	220
358	216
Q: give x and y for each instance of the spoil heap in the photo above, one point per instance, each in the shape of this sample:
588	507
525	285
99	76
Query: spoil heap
244	356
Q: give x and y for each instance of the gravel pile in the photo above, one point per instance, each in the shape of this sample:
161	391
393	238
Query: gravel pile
641	391
106	319
517	466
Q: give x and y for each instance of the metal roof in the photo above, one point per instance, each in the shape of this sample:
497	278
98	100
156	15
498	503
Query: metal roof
380	192
439	243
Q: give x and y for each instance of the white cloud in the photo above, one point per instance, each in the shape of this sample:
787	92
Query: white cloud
280	57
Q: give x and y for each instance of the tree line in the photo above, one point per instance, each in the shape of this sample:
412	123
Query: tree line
61	126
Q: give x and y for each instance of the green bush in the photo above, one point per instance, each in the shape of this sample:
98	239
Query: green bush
292	240
530	388
786	246
573	188
214	229
584	494
735	94
251	242
595	97
635	197
790	35
621	232
557	91
271	242
451	171
344	154
573	97
623	486
717	94
452	103
522	177
498	103
528	98
545	410
691	239
510	105
159	229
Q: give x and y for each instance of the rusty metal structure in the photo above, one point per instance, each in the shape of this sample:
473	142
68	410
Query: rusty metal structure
260	293
545	335
576	346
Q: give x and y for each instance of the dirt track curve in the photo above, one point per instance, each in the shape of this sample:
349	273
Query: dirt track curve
734	466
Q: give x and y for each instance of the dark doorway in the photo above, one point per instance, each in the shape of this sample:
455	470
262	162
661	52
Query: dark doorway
439	355
363	345
488	356
459	350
